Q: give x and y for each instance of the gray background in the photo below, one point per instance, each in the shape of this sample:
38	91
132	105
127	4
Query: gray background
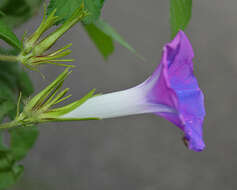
142	152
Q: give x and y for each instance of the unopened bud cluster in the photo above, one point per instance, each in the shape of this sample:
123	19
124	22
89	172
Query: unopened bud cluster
35	50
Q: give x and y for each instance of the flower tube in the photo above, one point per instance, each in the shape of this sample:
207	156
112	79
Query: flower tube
171	92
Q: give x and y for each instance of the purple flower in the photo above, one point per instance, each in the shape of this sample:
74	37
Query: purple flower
171	92
177	88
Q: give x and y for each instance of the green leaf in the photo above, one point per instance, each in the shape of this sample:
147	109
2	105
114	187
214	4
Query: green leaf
7	103
8	73
102	41
22	140
7	179
180	14
17	171
6	160
2	146
18	11
8	36
66	8
103	35
2	13
110	31
12	80
14	76
9	171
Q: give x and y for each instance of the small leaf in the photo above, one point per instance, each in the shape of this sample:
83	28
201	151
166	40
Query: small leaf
17	171
7	103
6	107
103	42
110	31
180	14
22	140
7	179
2	13
66	8
9	170
6	160
9	75
2	145
103	35
10	174
7	87
14	76
8	36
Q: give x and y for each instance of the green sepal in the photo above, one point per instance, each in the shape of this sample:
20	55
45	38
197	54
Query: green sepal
40	108
57	112
39	99
32	62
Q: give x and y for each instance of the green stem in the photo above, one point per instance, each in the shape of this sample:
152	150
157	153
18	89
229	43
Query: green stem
10	58
8	125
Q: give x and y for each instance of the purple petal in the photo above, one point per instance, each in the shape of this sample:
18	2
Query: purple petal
177	88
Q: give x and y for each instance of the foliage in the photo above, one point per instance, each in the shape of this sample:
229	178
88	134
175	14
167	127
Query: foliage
100	32
103	35
66	8
16	12
14	80
103	41
9	170
8	36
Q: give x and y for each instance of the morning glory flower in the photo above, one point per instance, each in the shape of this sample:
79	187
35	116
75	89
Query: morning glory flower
171	92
